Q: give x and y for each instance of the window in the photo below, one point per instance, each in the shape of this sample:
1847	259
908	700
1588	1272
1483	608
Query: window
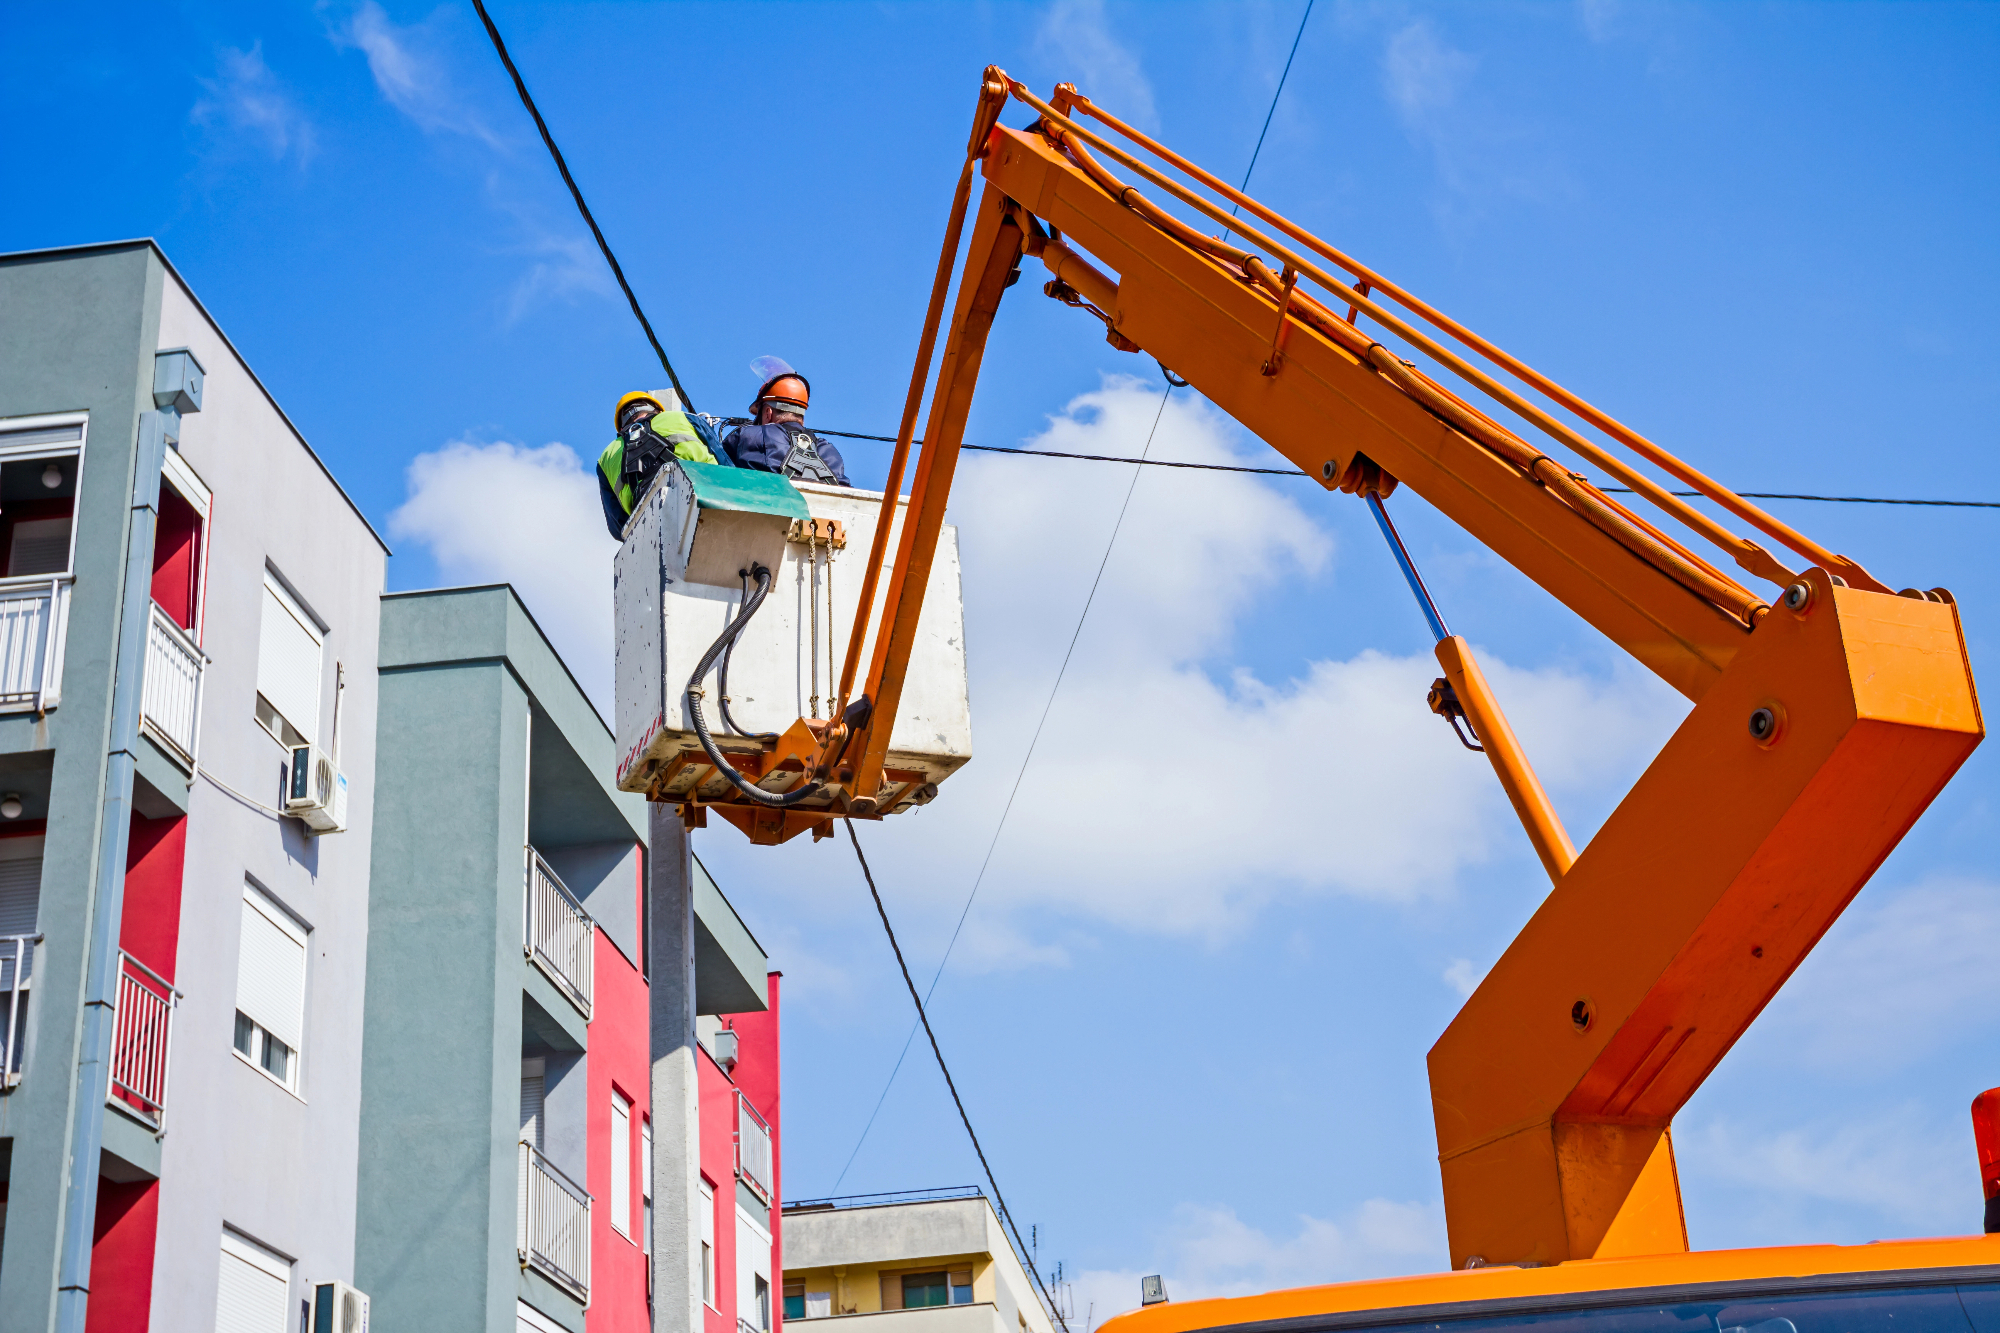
38	497
961	1287
708	1243
795	1300
270	989
253	1293
646	1185
621	1162
922	1289
763	1303
288	667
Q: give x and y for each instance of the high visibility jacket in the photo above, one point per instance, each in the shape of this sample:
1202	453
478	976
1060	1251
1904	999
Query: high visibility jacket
627	465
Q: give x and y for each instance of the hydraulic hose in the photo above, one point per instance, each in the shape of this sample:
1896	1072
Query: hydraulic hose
722	675
692	700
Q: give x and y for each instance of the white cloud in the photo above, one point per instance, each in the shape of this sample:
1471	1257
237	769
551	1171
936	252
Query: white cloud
246	97
1422	75
500	512
410	75
1481	151
1900	1165
1463	975
1206	1251
1903	971
1075	38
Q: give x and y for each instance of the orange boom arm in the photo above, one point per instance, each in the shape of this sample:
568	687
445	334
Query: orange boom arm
1828	712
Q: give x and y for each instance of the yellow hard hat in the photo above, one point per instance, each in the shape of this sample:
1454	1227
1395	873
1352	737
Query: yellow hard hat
636	396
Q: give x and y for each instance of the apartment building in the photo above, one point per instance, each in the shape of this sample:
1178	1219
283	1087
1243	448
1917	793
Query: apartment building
506	1125
188	614
932	1261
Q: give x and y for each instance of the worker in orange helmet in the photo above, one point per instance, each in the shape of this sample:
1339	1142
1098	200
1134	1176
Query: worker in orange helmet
776	438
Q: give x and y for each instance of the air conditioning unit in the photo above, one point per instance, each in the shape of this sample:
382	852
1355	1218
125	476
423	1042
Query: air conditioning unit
317	792
337	1307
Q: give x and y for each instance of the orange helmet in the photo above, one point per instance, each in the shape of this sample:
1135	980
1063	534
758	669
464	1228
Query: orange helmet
780	383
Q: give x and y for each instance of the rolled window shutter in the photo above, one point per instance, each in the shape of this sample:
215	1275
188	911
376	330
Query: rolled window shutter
271	973
288	662
251	1297
533	1081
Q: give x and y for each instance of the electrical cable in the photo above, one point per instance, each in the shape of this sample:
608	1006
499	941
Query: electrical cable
1245	186
1294	472
521	87
250	801
692	701
722	672
1014	791
945	1069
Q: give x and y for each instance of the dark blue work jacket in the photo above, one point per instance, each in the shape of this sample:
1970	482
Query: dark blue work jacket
766	448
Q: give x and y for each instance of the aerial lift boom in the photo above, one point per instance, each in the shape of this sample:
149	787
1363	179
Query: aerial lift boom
1828	712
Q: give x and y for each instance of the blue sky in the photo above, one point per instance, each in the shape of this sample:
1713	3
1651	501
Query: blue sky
1192	1034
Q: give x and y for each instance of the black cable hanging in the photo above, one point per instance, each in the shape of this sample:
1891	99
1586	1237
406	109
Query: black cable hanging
687	404
999	1203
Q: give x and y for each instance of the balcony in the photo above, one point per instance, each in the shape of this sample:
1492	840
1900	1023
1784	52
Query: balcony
170	709
753	1150
560	937
17	960
553	1236
141	1030
34	620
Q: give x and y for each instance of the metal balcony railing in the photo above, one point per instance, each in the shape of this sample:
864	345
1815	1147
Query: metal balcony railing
141	1031
753	1150
17	961
559	936
34	621
171	702
554	1223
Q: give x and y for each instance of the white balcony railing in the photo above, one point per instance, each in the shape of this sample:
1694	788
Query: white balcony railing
34	619
141	1030
753	1149
171	702
560	936
554	1223
17	960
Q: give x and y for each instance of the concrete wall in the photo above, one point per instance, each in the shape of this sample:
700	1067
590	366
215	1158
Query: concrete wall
241	1150
77	334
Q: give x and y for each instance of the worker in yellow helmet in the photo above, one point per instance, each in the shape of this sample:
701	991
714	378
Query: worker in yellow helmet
648	434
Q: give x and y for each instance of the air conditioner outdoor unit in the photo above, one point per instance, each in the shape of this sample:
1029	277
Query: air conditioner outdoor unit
337	1307
317	792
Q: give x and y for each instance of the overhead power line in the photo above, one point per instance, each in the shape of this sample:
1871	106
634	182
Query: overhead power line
1294	472
916	999
521	87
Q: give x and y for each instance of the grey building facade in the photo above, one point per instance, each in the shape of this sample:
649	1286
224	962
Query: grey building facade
506	1123
187	596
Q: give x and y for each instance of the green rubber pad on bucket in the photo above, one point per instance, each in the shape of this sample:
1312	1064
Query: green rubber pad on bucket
744	489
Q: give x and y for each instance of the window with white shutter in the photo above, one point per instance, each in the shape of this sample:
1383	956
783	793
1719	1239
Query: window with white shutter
252	1296
621	1162
20	904
646	1185
270	988
288	667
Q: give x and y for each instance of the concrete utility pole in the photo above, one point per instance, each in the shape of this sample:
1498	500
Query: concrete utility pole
676	1103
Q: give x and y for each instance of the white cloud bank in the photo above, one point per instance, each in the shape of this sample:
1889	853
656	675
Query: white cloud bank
505	513
245	99
1074	38
1205	1251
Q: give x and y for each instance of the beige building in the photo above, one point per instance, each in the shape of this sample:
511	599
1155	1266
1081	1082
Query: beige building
936	1262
